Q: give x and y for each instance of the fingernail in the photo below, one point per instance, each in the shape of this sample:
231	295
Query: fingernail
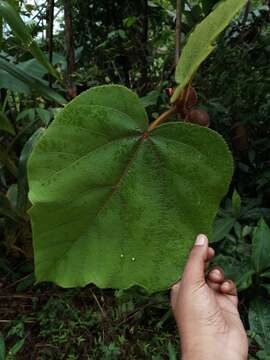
216	273
227	285
200	240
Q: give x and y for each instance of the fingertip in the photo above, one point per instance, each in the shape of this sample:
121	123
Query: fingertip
201	240
216	275
228	287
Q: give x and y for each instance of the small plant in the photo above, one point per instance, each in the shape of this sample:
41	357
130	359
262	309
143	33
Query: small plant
117	202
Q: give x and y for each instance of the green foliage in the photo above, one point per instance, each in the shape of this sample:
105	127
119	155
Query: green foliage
74	324
5	124
10	15
137	188
200	42
2	348
33	82
259	319
261	247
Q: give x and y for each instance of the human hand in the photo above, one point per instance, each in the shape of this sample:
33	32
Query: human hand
205	310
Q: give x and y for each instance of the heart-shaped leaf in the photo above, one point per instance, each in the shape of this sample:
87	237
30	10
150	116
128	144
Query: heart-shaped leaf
116	205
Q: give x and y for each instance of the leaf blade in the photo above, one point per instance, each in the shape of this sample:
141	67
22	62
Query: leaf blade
115	179
200	42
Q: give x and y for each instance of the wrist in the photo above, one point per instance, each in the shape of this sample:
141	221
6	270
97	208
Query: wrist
210	355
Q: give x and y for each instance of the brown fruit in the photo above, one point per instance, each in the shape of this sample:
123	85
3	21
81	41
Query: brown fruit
186	101
191	98
198	116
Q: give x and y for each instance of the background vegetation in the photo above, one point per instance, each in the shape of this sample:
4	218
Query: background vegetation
131	43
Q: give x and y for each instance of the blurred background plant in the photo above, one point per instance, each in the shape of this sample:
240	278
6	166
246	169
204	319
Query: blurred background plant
53	50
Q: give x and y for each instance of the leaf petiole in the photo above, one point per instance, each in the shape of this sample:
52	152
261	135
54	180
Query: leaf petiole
163	117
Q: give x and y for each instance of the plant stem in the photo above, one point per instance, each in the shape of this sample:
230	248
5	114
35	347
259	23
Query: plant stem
163	117
246	12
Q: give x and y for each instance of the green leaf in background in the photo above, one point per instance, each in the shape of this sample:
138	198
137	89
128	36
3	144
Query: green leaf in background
2	347
44	115
5	124
6	208
207	5
16	347
22	174
200	42
12	195
236	203
31	81
32	114
265	274
31	67
231	266
151	98
28	114
259	321
266	287
116	205
261	247
7	161
221	228
7	81
21	31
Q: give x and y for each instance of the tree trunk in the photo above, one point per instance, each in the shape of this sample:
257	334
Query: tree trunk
70	52
49	35
145	30
178	31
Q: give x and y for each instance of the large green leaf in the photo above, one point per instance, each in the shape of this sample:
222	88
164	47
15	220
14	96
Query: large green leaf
261	247
21	31
200	42
31	81
116	205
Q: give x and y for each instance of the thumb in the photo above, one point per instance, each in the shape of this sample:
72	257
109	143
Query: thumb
194	270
